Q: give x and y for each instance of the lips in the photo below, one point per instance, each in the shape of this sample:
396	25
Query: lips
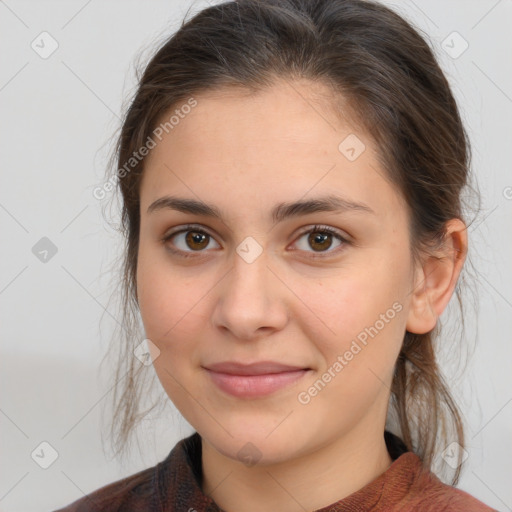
259	368
254	380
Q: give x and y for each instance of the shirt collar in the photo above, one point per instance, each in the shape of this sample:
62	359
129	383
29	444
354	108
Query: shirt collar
179	480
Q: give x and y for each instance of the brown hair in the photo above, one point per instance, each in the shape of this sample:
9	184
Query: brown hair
377	62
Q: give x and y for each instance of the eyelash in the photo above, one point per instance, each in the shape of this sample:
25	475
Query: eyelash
316	228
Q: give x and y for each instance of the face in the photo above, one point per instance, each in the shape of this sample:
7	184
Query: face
275	325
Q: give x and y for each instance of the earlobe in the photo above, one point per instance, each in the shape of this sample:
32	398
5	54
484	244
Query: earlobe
436	278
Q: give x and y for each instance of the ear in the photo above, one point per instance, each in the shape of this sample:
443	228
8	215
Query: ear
435	279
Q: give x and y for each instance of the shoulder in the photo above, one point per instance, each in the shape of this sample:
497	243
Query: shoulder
428	494
166	482
135	490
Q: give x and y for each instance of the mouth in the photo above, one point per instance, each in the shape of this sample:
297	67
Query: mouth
254	380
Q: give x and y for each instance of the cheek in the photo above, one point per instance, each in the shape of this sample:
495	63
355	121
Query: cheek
360	313
170	311
356	363
169	303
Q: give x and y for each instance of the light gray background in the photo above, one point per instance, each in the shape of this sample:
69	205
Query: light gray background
57	117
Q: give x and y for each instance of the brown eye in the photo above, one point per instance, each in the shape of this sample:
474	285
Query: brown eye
196	240
188	241
321	239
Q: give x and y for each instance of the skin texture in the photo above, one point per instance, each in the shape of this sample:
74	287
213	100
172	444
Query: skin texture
244	154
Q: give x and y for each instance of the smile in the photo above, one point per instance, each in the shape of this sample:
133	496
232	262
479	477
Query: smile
254	380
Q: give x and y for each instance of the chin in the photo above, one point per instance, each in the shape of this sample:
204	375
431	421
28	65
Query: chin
253	445
259	452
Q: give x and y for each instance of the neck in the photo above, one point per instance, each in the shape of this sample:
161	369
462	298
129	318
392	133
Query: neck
313	481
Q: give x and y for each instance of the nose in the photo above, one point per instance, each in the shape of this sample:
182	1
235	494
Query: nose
251	300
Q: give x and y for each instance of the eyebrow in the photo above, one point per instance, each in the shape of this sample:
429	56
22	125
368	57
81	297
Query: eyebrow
280	212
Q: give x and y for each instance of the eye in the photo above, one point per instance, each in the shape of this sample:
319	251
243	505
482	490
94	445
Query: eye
188	241
320	238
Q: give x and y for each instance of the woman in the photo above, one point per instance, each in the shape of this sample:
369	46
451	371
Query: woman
291	174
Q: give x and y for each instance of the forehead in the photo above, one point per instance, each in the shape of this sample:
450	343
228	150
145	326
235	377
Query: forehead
299	110
297	114
288	138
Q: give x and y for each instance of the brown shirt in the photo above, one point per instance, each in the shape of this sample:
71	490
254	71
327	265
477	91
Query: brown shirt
175	485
